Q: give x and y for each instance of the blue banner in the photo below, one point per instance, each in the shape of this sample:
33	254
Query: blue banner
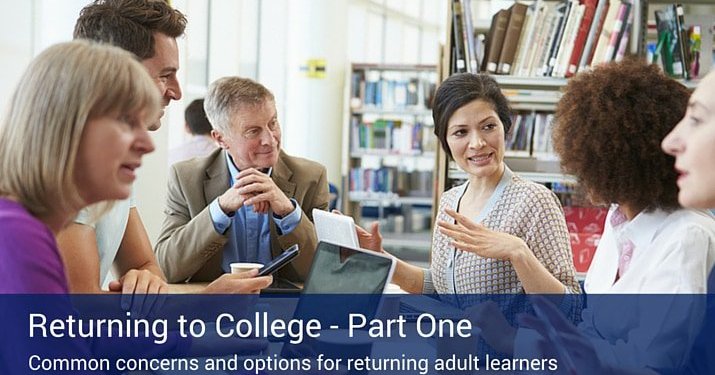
357	334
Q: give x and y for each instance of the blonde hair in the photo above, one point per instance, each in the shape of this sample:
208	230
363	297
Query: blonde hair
227	94
64	87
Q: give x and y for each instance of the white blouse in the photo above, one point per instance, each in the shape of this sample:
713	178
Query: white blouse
673	254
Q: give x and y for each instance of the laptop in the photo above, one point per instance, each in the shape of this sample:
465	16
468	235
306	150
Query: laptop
351	279
335	228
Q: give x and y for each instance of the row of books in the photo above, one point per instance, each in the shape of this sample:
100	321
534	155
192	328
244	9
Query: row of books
391	89
677	48
554	39
392	180
530	135
390	136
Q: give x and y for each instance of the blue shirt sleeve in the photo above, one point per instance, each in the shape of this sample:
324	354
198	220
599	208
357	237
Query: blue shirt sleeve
220	220
288	223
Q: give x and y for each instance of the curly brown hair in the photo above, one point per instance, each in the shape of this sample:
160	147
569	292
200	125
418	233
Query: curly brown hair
608	128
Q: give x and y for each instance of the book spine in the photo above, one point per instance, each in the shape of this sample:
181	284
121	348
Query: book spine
593	34
682	39
580	42
615	33
569	39
511	37
564	11
496	40
460	64
526	38
623	44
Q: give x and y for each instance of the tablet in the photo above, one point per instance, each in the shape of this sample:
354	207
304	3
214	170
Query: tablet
336	229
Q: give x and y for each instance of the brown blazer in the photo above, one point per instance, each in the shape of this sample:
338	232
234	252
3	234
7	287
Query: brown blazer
190	249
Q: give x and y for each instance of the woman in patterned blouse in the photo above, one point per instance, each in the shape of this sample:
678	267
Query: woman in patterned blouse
496	233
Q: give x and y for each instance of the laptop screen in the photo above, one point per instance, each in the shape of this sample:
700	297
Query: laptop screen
342	281
339	269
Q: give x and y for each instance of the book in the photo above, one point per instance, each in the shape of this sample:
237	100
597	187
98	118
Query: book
544	23
533	15
667	46
517	13
694	44
567	42
495	40
594	33
542	147
469	40
682	40
548	34
460	60
619	29
623	44
562	11
579	46
604	36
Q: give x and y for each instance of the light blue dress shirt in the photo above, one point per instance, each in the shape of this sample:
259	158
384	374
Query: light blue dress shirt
250	236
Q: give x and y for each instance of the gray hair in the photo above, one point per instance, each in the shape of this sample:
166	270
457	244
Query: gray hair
227	94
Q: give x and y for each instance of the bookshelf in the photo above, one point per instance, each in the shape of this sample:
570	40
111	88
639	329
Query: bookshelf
389	153
533	83
699	13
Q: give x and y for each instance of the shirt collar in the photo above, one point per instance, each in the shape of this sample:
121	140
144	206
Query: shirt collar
642	229
234	171
504	181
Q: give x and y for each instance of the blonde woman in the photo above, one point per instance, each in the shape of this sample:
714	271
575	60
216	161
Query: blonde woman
74	136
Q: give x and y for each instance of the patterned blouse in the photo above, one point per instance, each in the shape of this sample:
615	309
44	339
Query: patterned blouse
522	208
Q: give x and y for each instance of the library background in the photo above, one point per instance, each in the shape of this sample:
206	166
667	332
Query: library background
353	81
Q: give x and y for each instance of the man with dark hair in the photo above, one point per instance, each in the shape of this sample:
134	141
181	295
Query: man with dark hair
198	126
147	28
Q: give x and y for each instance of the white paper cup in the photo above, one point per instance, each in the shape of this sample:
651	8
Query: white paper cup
243	267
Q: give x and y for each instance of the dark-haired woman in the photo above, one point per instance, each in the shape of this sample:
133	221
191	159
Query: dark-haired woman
496	233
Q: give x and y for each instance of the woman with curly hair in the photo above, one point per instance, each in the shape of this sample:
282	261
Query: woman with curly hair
496	233
691	144
608	128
